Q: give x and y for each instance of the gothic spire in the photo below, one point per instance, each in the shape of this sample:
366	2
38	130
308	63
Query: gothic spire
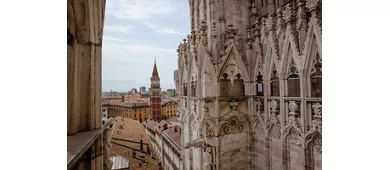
155	72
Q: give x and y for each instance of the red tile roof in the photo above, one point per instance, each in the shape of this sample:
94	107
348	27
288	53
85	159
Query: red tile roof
175	136
130	130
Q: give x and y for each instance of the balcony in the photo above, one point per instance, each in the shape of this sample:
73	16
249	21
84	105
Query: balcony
84	144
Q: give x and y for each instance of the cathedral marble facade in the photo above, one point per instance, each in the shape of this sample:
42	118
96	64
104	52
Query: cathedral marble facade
250	77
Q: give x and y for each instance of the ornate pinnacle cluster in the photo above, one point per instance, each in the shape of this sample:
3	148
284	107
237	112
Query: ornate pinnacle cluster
231	33
289	13
270	22
249	37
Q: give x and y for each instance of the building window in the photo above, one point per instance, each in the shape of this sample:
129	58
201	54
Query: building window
316	77
293	81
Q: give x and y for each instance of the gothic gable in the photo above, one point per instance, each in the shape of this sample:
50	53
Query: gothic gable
232	64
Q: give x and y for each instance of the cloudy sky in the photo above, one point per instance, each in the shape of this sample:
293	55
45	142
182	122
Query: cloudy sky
135	32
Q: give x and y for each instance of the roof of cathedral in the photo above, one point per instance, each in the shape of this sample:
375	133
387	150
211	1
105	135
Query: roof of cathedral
155	72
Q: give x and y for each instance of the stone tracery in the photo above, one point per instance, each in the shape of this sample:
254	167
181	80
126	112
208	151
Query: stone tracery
279	41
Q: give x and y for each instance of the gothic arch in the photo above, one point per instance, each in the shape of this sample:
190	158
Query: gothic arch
271	61
290	56
313	46
192	123
206	73
232	57
312	139
194	77
259	62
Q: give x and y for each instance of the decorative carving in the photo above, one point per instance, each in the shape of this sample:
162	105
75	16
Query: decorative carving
294	138
254	13
205	109
209	157
213	30
279	21
230	33
289	13
233	105
317	118
314	7
270	22
301	14
232	71
232	126
257	31
203	31
317	64
207	131
275	132
249	39
274	106
292	68
263	30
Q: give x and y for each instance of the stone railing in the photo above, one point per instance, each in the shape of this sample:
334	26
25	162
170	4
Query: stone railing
80	143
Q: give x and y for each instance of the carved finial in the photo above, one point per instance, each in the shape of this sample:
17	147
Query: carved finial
317	110
274	106
249	37
289	13
259	105
257	31
301	14
279	22
231	33
270	22
213	30
313	5
233	105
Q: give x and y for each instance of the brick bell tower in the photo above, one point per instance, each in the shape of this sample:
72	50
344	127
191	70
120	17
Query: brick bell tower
155	96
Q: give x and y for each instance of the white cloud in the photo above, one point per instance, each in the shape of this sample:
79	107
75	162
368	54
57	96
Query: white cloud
170	31
163	30
118	28
139	9
134	52
150	25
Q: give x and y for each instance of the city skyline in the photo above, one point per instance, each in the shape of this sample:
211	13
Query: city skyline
134	33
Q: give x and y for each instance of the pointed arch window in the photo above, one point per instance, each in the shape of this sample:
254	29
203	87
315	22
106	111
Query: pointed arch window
293	81
184	89
274	83
193	88
316	77
224	83
235	88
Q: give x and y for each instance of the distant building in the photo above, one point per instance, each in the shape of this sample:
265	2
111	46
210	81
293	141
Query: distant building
134	91
171	92
155	96
165	137
142	90
169	108
136	110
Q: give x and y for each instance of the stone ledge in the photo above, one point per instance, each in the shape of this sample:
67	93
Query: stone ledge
78	144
